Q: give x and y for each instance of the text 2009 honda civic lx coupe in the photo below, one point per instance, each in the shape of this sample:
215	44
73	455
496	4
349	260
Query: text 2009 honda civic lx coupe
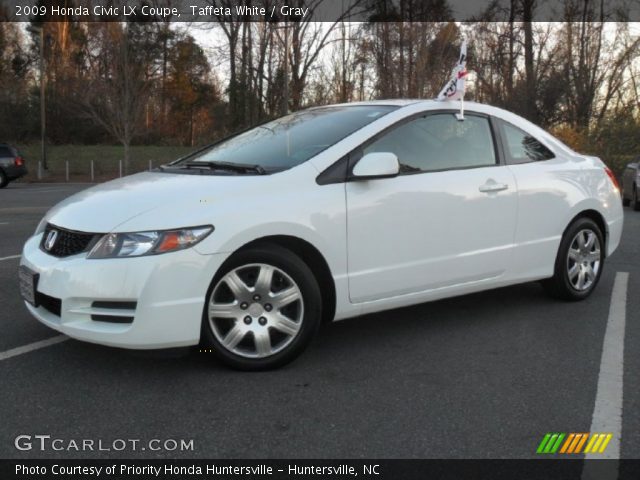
328	213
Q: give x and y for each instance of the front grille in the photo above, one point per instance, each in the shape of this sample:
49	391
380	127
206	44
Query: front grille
67	242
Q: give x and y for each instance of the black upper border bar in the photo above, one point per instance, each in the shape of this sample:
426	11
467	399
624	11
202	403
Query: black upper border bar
321	10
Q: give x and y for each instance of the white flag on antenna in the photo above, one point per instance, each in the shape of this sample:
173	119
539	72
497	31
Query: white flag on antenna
454	89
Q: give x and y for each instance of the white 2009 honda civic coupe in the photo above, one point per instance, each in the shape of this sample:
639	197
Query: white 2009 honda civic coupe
328	213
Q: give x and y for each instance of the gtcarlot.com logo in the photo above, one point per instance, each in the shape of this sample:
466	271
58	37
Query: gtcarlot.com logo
46	443
569	443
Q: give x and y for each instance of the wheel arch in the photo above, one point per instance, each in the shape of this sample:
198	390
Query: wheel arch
314	259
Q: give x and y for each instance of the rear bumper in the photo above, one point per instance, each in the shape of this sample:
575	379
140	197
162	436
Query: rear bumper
167	293
13	172
614	234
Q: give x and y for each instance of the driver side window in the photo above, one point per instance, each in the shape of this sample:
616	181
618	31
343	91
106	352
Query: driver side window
439	142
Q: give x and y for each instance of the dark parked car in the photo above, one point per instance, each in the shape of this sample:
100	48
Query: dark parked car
11	165
630	183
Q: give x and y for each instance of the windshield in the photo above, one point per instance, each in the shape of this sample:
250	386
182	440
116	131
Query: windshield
290	140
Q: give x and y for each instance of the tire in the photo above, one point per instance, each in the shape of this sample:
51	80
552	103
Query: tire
635	202
242	322
625	201
586	255
4	181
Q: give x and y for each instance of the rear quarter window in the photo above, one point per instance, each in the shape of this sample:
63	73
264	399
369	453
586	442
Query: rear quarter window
522	147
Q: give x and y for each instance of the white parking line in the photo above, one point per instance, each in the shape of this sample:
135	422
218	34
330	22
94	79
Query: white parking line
11	257
607	413
14	352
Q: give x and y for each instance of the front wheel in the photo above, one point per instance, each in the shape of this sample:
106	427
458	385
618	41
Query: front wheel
263	309
579	262
4	181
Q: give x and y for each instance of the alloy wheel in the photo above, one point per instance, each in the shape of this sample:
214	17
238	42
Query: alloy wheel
583	260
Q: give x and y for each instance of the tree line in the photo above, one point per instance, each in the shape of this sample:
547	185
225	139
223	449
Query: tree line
153	83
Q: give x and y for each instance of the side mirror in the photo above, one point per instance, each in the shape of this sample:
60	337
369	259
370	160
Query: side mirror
376	165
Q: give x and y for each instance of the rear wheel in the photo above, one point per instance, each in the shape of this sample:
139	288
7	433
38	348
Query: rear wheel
4	181
579	262
263	309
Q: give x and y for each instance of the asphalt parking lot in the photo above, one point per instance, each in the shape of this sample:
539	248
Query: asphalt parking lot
480	376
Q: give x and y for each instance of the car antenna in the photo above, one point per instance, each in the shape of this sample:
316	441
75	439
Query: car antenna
454	89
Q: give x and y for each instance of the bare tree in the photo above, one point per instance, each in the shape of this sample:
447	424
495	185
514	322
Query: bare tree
115	94
528	8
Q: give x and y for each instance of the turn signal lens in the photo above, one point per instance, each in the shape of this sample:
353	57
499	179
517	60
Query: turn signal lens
120	245
170	241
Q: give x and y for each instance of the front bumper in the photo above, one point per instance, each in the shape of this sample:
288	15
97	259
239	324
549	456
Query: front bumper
169	292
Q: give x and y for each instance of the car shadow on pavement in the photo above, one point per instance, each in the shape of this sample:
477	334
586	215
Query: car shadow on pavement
372	337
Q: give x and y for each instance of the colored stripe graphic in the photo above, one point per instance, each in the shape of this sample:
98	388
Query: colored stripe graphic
591	442
582	441
605	443
550	443
576	439
596	445
567	442
555	447
543	443
572	443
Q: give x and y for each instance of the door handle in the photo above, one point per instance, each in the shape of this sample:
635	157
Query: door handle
490	187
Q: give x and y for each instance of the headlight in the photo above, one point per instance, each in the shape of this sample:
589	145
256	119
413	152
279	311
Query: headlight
116	245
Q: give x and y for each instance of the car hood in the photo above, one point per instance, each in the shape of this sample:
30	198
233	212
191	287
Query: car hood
153	200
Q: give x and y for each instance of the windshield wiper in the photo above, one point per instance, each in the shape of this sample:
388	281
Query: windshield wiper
233	167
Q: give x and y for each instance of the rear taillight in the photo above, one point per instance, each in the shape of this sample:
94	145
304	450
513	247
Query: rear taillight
613	178
19	162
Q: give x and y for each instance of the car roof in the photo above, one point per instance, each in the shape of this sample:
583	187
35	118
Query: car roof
482	108
397	102
428	104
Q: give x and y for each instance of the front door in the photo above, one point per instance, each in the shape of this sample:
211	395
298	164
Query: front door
449	217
